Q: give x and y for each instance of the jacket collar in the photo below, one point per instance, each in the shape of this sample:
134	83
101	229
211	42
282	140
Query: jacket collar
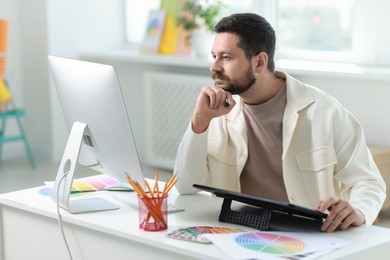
299	97
298	94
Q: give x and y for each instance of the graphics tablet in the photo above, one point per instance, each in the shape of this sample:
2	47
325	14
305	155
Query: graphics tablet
256	201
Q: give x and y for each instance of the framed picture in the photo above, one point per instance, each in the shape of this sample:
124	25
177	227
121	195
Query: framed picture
153	32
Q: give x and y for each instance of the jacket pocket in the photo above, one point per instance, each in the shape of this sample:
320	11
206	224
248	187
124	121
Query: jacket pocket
222	152
316	167
316	159
222	164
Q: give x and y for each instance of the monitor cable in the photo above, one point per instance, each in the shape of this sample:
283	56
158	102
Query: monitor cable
60	220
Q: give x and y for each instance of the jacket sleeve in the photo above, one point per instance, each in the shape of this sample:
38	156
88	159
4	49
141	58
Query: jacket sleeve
191	163
361	181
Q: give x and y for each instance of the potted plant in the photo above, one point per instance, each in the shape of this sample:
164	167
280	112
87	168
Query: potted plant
198	20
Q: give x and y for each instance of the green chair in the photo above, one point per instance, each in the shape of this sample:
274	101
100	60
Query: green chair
11	112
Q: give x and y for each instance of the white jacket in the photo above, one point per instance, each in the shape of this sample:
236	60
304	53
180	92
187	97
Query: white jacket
324	153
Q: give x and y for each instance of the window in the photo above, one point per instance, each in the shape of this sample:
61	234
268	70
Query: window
316	25
332	30
329	30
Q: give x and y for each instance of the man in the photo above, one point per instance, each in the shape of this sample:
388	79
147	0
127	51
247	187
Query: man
263	132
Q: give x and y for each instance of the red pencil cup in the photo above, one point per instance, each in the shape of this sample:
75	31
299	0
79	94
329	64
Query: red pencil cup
153	212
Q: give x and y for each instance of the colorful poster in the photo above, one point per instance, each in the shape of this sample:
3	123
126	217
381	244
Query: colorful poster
183	42
153	32
169	37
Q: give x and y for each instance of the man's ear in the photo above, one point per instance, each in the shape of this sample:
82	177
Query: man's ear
260	61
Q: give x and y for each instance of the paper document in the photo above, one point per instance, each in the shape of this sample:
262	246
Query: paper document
275	245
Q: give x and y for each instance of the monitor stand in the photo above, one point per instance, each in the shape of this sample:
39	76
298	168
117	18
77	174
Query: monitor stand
266	219
260	221
63	183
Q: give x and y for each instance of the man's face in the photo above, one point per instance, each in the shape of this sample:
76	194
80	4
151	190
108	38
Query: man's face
231	70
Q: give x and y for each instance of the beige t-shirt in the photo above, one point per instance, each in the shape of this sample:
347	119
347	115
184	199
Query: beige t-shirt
263	174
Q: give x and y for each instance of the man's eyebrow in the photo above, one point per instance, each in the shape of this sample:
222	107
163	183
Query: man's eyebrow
221	53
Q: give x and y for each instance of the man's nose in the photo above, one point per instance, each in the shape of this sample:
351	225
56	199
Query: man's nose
215	66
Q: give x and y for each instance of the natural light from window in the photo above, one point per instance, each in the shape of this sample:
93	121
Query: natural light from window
316	25
312	30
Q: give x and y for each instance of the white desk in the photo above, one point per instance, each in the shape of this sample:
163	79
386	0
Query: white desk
29	230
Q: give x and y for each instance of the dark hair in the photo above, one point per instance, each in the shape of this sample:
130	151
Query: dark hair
255	33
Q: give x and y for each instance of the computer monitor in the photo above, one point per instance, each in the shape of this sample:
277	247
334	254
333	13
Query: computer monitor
100	133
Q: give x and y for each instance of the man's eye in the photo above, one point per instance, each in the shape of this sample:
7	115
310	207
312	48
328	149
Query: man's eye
226	57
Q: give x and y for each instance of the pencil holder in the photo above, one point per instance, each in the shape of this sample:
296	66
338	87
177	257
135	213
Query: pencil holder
153	212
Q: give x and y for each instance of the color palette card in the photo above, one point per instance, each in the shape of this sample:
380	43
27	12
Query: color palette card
276	245
193	234
92	183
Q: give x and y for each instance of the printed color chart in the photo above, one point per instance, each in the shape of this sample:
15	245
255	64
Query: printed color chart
93	183
275	245
270	243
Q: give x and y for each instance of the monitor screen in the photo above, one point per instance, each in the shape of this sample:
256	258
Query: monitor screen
90	94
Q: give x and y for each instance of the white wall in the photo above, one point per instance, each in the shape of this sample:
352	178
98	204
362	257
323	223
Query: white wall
74	27
70	27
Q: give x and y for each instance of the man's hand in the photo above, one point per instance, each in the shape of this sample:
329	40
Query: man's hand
211	103
341	214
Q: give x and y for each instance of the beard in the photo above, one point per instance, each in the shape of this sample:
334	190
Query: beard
235	86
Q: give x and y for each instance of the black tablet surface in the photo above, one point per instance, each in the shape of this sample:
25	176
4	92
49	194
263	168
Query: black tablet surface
257	201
